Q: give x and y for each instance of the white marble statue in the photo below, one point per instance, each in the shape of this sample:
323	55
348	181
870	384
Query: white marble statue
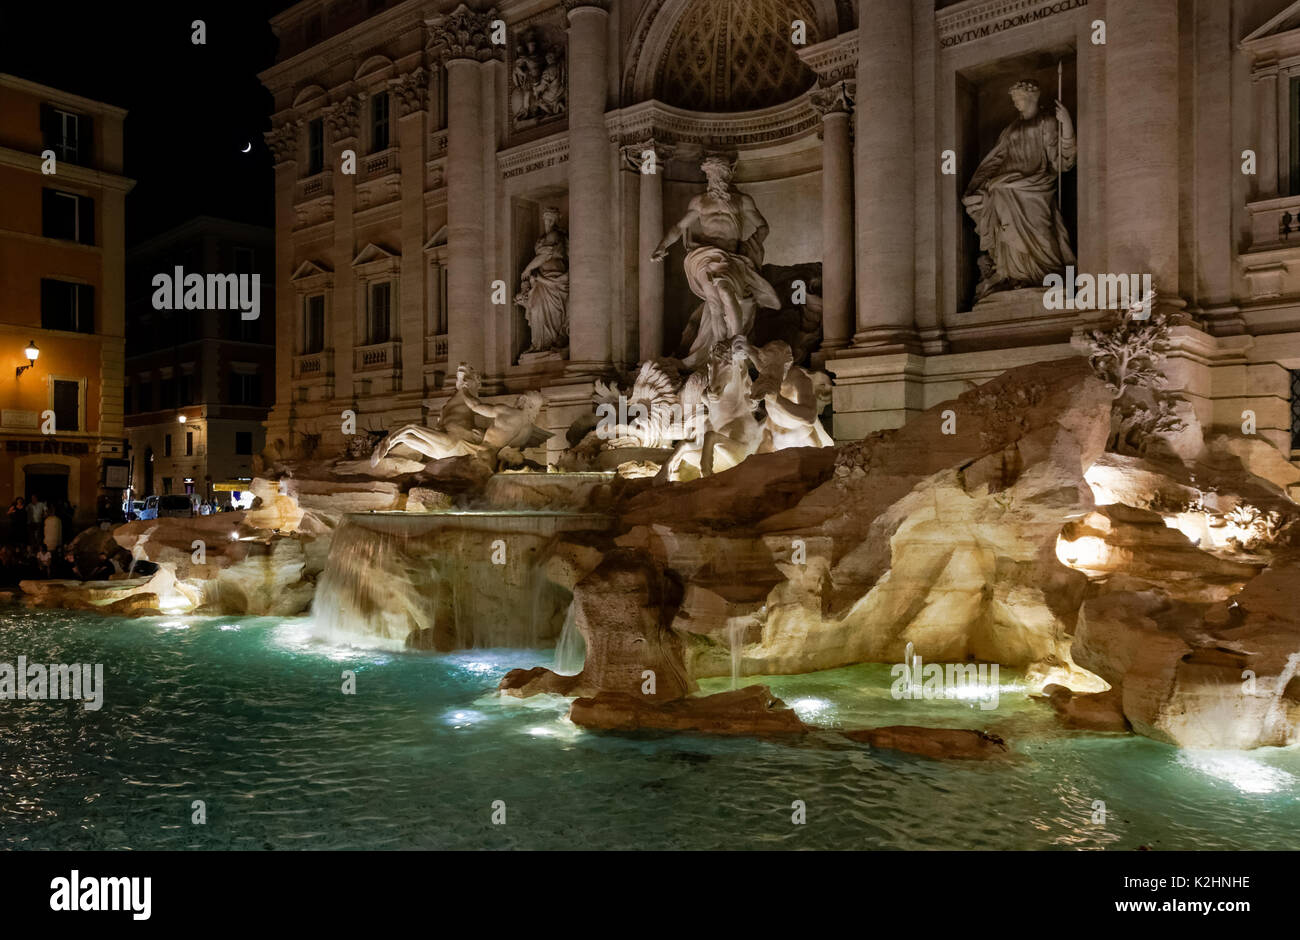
539	82
544	287
726	431
792	398
722	261
456	433
514	427
1013	197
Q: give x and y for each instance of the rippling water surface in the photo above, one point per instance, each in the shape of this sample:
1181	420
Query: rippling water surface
247	715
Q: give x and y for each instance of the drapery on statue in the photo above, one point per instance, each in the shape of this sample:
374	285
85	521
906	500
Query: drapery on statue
1013	197
721	261
544	287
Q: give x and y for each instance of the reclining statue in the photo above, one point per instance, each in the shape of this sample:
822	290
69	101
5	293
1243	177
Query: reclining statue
468	427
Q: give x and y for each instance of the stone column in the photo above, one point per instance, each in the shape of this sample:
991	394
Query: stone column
280	141
590	295
650	229
1266	142
1142	142
884	180
408	94
343	121
835	105
461	41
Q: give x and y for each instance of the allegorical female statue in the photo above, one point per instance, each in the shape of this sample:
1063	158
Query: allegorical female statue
1013	197
544	287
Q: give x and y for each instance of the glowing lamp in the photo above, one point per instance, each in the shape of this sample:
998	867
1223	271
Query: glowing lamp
32	353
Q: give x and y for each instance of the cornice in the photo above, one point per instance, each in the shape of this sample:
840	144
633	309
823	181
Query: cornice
977	19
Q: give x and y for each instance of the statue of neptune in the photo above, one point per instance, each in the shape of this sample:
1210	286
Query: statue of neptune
721	262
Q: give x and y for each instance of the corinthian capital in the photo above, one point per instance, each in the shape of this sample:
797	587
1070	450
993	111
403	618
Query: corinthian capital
832	100
637	154
342	119
282	141
463	34
409	91
571	5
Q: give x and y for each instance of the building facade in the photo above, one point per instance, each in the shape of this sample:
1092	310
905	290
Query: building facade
859	129
62	245
199	382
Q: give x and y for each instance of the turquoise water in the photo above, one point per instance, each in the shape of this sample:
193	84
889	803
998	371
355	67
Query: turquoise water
247	715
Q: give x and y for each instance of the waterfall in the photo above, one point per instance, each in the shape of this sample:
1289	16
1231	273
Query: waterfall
449	580
359	594
571	648
736	640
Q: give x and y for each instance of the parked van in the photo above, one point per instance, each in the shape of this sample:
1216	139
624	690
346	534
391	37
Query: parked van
175	505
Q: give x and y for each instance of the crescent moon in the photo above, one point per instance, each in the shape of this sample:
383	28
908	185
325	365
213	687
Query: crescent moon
247	148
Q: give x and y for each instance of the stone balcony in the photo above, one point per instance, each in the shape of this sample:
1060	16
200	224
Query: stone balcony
312	365
377	164
314	187
379	357
435	348
1274	223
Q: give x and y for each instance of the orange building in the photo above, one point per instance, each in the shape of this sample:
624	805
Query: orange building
62	274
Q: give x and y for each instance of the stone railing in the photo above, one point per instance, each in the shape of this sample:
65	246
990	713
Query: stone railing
437	143
1274	223
378	357
314	187
311	365
378	164
435	348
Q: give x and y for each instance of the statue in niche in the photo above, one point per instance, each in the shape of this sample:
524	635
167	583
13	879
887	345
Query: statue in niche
1012	197
456	433
544	287
792	397
539	81
722	262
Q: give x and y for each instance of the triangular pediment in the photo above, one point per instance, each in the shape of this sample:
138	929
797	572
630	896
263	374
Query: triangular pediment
372	253
439	239
308	269
1284	22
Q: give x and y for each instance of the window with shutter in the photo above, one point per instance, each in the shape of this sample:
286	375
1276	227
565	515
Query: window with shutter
67	405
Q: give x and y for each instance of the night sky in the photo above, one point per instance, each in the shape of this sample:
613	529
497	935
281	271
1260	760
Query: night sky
191	108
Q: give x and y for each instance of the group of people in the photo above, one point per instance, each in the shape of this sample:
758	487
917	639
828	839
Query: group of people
34	547
27	563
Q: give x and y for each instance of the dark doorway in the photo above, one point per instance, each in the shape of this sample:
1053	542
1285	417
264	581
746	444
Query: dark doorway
51	485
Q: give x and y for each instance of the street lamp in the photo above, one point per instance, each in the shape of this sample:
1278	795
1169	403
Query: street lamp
180	418
31	352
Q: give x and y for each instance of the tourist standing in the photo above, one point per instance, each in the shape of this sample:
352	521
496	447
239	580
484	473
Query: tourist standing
36	511
17	519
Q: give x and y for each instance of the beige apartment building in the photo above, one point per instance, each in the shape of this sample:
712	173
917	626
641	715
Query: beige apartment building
859	129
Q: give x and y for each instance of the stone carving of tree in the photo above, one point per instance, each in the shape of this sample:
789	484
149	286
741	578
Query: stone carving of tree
1129	357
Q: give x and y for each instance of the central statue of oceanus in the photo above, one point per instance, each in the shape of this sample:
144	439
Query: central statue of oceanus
722	262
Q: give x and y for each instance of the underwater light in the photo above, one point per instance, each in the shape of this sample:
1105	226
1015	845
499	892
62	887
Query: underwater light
1247	774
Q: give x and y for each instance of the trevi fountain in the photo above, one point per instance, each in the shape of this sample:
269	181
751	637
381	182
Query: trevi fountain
664	625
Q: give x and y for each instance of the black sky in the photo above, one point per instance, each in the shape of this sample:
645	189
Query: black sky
192	108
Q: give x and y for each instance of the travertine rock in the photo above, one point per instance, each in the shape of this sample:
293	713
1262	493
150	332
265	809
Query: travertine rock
751	710
945	743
